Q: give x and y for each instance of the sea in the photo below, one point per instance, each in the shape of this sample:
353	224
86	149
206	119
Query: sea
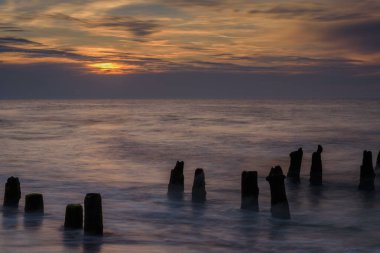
125	149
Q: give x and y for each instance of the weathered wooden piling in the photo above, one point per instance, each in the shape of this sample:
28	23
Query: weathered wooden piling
295	166
378	161
316	167
93	214
249	191
34	203
74	216
279	201
12	192
199	186
176	182
367	174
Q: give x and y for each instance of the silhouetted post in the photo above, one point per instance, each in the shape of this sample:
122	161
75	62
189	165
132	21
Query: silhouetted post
199	186
176	183
34	203
93	215
378	161
74	216
316	167
295	166
12	192
279	202
249	191
367	174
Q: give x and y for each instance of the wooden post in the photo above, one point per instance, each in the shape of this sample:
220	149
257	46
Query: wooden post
34	203
316	167
295	166
279	202
74	216
93	214
176	183
367	174
12	192
249	191
199	186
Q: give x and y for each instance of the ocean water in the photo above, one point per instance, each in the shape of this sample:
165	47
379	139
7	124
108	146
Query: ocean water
125	149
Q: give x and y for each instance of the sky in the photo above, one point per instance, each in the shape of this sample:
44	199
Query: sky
189	49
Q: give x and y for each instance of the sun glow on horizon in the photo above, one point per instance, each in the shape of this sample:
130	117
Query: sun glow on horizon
110	68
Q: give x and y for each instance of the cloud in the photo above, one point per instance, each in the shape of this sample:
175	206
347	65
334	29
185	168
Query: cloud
18	41
359	36
321	13
10	28
61	16
195	2
139	28
44	52
329	17
287	11
146	9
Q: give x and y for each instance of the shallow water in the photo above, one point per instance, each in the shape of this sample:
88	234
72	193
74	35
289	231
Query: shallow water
125	149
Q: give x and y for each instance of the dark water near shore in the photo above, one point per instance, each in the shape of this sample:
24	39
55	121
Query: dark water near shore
125	149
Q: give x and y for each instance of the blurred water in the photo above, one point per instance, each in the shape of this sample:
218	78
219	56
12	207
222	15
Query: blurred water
125	150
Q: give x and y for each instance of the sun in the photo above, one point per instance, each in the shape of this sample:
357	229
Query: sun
107	68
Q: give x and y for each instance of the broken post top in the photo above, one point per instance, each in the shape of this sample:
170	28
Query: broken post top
320	149
275	173
176	175
13	180
199	186
176	182
249	174
12	192
367	159
366	169
295	165
179	167
296	154
93	197
316	161
199	178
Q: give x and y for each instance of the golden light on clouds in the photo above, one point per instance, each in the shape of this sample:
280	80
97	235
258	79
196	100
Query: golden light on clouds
125	36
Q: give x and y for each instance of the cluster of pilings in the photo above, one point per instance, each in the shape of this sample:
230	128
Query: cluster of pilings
34	204
93	215
176	183
276	178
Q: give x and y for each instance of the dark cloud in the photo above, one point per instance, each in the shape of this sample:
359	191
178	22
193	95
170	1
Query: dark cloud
314	14
293	59
64	17
195	2
139	28
41	52
146	9
10	28
286	11
328	17
18	41
362	36
207	66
